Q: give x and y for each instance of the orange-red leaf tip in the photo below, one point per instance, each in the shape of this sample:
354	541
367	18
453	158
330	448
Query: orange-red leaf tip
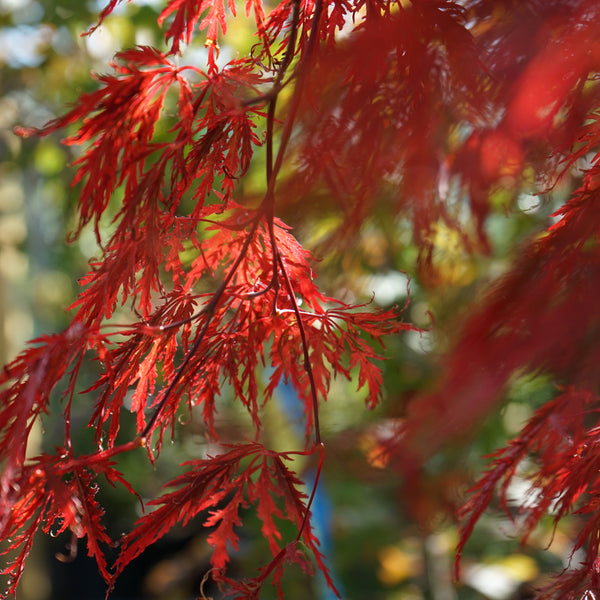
25	132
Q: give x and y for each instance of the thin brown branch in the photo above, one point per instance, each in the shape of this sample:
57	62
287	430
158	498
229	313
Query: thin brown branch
278	85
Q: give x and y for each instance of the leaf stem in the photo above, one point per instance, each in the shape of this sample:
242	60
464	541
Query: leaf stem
273	171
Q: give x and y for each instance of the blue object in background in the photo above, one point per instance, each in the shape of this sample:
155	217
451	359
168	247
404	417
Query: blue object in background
293	409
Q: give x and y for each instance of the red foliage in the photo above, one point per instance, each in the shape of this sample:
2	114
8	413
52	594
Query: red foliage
385	101
264	307
222	481
56	494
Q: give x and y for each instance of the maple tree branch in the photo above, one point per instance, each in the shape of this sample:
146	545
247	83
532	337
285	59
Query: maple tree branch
278	85
289	124
272	171
307	365
314	30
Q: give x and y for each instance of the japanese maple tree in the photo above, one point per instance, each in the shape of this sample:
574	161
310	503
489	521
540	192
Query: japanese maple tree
353	108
